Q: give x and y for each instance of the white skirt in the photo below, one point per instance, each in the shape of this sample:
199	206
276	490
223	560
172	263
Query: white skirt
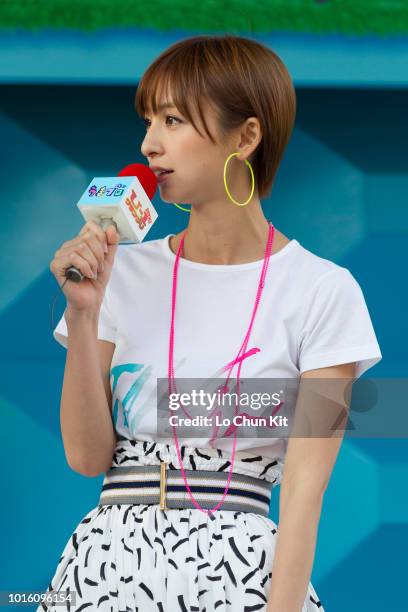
139	558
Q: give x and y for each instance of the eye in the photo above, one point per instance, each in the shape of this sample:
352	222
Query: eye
146	122
171	117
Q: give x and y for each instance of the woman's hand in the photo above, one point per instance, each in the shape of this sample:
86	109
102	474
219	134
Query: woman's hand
92	252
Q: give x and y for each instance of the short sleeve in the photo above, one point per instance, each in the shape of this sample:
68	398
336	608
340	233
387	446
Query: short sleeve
106	324
337	327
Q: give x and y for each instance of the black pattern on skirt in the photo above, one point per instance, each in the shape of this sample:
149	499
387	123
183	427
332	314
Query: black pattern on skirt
138	558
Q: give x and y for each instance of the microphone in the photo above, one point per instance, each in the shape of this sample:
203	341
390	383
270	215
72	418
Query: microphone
126	204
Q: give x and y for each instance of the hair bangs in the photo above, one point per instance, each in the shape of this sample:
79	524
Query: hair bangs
176	80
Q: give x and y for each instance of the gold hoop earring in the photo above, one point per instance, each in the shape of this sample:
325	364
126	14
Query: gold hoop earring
226	186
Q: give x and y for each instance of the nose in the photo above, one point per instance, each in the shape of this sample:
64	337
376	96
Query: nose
146	149
151	144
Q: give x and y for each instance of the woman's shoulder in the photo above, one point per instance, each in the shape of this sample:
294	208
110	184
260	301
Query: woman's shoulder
310	267
309	264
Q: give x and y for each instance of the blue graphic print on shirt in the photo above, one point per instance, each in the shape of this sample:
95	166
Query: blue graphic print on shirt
125	406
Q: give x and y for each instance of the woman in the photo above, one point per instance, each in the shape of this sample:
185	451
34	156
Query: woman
230	290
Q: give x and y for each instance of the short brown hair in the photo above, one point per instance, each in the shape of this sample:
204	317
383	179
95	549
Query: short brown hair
237	76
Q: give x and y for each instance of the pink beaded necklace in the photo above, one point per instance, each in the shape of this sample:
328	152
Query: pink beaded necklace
172	385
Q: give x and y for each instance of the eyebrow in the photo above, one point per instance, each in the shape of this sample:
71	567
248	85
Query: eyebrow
165	105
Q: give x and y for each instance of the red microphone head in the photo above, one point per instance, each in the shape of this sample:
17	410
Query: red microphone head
146	176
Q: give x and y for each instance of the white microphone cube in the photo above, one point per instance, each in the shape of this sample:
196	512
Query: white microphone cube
120	199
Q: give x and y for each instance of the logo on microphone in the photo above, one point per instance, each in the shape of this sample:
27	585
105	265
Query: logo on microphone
141	216
116	191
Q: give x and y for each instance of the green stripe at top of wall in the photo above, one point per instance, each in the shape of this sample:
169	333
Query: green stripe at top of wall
358	17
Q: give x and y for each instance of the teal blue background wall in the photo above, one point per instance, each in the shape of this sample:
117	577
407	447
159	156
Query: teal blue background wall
341	191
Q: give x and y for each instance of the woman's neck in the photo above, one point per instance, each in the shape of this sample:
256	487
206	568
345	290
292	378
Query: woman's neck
227	248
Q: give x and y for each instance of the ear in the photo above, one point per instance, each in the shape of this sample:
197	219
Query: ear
249	137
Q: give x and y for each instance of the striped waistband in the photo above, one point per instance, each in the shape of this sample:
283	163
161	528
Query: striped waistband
156	484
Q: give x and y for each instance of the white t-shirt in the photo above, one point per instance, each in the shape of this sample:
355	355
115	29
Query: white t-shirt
312	314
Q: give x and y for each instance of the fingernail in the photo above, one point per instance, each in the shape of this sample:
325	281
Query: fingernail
105	248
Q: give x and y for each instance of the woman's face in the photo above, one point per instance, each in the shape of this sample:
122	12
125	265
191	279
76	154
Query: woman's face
173	143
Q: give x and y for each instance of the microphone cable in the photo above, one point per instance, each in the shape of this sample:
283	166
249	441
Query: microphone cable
54	300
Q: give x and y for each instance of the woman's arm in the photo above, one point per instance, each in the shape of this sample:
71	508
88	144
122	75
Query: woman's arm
86	419
308	466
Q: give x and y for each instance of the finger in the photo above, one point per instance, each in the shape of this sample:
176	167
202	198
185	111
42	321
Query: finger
59	265
112	235
93	241
110	256
91	228
86	252
97	249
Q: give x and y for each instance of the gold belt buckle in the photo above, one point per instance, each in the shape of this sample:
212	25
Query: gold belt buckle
163	486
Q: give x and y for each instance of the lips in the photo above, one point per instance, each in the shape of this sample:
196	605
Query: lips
159	170
163	176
